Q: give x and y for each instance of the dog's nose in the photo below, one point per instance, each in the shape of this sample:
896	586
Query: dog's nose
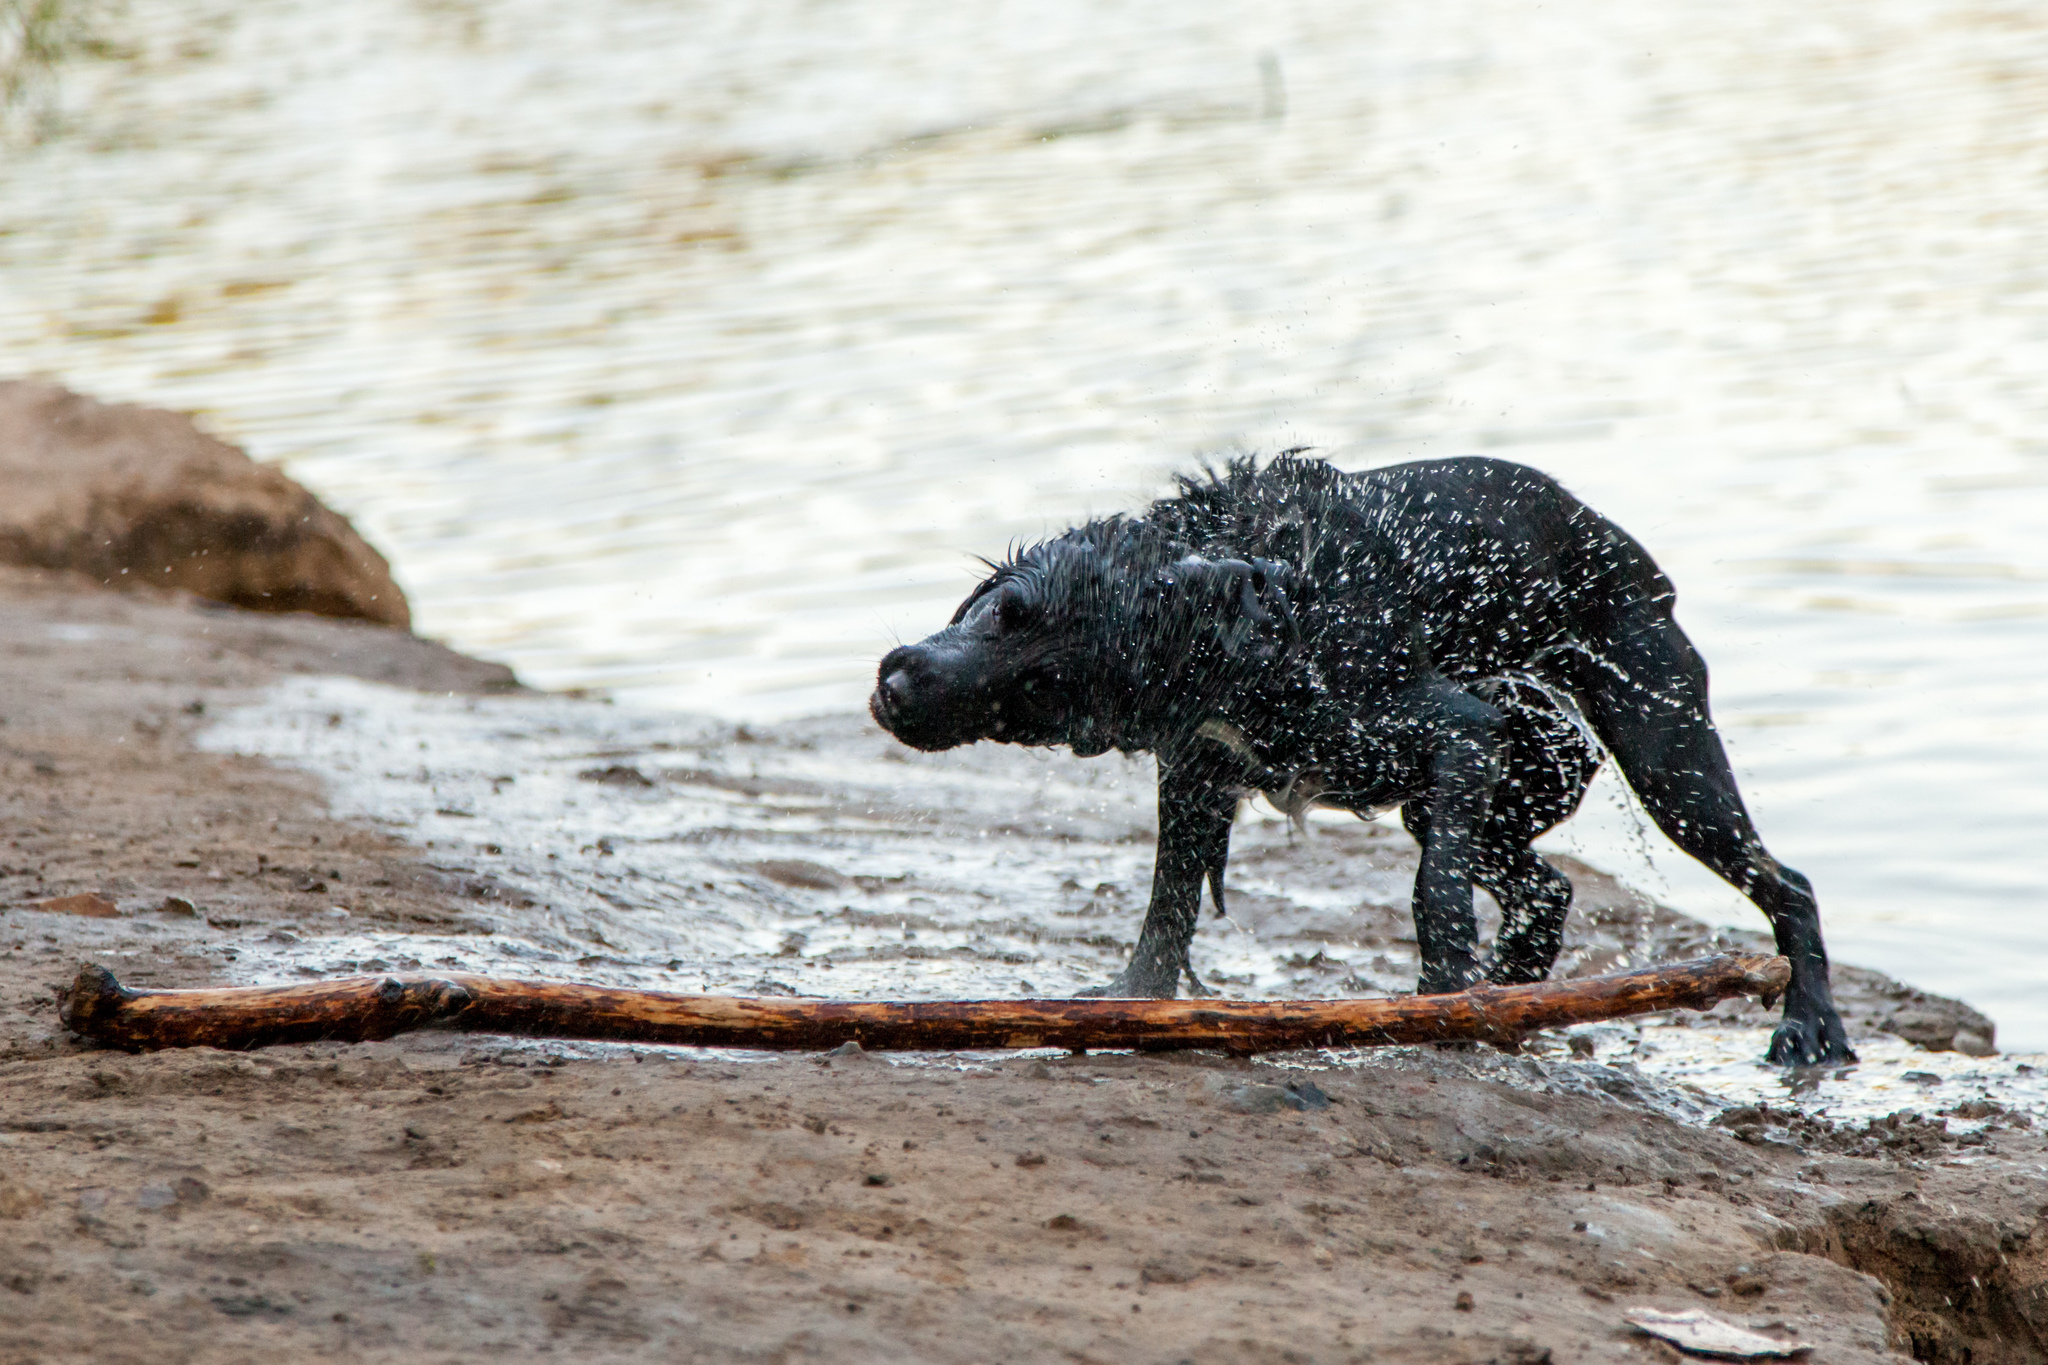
899	666
894	682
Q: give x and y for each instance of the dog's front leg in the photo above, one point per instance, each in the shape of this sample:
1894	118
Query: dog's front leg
1196	808
1464	765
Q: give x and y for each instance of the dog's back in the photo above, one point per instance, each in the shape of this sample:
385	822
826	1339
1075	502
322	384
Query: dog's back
1495	562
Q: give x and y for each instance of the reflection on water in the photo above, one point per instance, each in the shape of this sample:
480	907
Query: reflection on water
689	349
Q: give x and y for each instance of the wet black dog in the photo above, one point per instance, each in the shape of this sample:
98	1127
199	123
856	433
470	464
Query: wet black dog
1457	637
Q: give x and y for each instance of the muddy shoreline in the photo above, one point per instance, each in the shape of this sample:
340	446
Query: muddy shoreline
435	1195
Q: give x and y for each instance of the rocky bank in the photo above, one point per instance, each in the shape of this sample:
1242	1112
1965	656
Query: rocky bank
126	494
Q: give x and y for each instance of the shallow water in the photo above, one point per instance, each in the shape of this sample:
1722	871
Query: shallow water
689	350
633	847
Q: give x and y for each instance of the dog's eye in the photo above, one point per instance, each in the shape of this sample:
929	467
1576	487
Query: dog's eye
1013	612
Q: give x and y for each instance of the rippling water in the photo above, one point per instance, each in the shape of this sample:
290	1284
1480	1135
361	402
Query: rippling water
688	350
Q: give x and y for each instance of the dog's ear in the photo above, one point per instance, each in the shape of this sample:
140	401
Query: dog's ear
1239	604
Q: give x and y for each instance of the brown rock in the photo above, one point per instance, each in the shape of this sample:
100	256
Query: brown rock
84	903
1171	1269
131	494
1940	1025
799	873
17	1200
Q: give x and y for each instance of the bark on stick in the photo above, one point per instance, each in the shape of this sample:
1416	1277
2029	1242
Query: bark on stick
353	1009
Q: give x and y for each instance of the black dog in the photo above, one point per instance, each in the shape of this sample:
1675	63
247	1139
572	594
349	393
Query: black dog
1446	636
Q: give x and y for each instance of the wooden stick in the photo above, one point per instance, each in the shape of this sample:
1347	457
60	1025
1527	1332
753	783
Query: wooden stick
351	1009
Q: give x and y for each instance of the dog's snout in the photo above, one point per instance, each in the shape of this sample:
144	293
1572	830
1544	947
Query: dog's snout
919	699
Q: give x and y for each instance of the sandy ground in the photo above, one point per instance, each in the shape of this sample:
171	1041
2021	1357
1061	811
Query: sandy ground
436	1197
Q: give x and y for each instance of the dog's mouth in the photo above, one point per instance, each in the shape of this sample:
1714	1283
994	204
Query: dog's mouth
884	709
912	725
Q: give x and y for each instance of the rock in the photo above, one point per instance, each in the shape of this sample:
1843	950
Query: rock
781	1217
85	903
1255	1099
799	873
1971	1043
131	494
17	1200
1170	1269
1306	1095
1938	1025
617	775
1252	1097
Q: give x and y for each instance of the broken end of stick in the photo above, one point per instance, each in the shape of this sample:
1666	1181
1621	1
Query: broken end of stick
1765	977
92	1002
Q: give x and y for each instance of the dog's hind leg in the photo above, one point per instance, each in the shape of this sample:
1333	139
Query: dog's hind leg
1534	900
1449	820
1644	688
1549	764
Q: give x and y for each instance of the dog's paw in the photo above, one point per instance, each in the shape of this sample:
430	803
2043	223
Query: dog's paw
1816	1041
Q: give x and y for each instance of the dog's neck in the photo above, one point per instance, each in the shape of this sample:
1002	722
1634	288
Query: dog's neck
1159	662
1152	690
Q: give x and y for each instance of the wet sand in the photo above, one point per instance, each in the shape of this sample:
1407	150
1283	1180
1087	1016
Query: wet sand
438	1196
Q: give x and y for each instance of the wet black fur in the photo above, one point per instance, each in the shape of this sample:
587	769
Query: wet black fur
1439	636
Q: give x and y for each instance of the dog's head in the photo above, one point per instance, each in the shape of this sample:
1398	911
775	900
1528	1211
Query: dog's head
1092	640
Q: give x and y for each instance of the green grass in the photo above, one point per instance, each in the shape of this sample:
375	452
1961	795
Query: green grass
36	36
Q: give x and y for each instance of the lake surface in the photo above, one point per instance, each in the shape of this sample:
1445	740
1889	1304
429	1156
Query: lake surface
690	351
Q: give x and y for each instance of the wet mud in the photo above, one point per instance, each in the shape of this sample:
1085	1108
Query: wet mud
273	799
